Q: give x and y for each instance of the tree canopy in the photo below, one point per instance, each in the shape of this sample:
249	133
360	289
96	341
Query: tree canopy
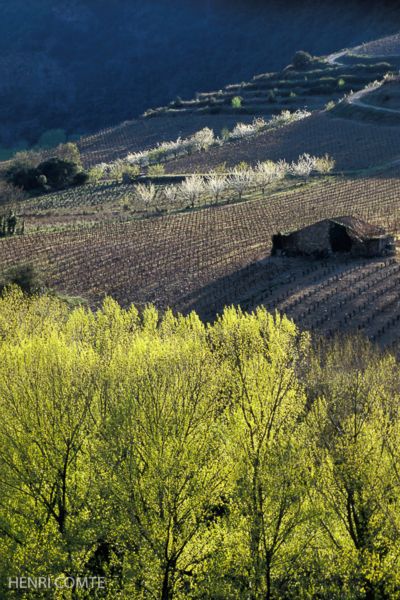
183	460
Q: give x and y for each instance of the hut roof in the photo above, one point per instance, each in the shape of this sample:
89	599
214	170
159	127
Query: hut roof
355	227
359	228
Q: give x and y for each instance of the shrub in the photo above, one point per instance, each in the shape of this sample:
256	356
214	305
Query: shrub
10	224
225	134
69	152
156	170
237	102
28	159
80	178
9	193
220	168
26	276
324	164
242	166
52	173
59	173
302	60
24	177
32	158
115	170
130	174
97	172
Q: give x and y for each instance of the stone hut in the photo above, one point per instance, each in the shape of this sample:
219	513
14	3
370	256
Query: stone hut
343	235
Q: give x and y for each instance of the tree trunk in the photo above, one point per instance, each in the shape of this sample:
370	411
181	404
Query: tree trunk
165	588
167	591
256	537
268	579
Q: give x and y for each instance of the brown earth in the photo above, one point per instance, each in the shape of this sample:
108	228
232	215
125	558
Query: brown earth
143	134
353	145
208	258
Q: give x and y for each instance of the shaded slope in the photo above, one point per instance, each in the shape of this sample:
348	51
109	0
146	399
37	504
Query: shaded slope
88	64
352	144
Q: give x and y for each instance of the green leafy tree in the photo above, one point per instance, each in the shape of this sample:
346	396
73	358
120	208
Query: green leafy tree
265	443
162	453
356	455
47	512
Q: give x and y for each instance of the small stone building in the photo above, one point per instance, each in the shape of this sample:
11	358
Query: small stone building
344	235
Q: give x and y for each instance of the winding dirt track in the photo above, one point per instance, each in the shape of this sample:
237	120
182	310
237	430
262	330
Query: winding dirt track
356	98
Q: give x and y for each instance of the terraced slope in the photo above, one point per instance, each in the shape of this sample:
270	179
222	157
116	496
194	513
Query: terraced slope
311	87
293	88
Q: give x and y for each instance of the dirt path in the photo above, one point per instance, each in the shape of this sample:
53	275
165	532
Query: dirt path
333	59
356	98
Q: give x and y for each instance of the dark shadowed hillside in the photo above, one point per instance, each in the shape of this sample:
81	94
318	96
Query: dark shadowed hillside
80	65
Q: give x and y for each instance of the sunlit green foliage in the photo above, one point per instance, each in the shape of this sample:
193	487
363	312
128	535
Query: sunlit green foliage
183	460
236	102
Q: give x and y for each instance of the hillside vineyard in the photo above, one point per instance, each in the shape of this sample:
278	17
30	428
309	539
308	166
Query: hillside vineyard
200	337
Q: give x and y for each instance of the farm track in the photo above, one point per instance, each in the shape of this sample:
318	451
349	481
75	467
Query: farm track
356	100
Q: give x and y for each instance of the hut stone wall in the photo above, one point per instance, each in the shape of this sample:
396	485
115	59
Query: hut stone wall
342	235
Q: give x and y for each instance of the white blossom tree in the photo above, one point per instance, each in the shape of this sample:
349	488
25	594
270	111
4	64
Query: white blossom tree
170	194
241	180
265	174
202	139
216	185
146	194
303	167
191	189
